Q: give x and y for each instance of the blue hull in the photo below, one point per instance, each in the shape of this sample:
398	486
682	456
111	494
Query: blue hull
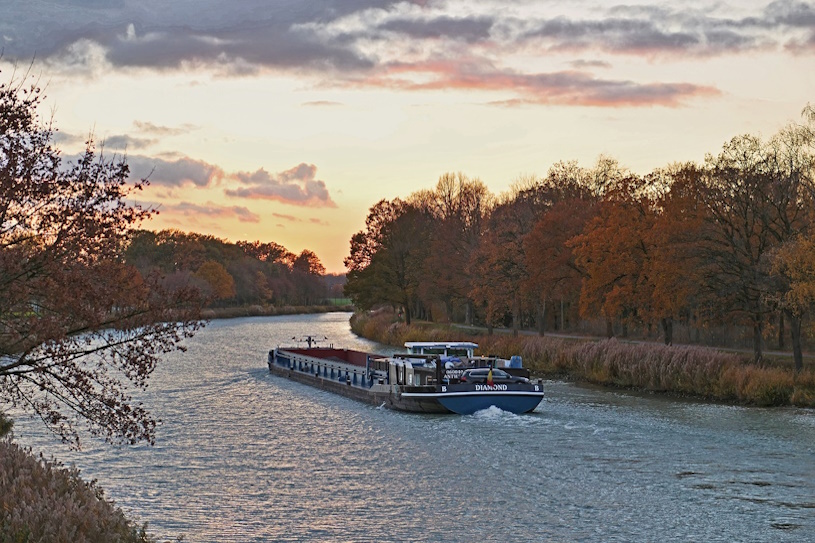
468	404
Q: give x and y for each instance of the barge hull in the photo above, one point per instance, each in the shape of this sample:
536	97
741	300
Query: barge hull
386	398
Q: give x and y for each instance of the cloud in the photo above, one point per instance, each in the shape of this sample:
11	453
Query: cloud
297	186
147	127
174	172
209	210
122	142
382	43
289	218
162	35
322	103
580	64
348	35
292	218
564	88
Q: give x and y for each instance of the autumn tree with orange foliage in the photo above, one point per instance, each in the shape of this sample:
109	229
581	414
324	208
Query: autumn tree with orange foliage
552	271
673	266
613	251
220	284
499	265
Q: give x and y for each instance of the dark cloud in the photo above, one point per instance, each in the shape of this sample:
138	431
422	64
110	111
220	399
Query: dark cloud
467	29
297	186
160	34
792	13
63	138
123	142
209	210
354	42
253	34
582	64
174	172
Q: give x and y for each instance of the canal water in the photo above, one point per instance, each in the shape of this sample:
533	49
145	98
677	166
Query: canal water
245	456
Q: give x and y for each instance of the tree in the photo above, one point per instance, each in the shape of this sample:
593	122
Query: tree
458	206
612	251
79	328
220	282
756	197
552	271
499	265
385	265
307	276
795	262
673	268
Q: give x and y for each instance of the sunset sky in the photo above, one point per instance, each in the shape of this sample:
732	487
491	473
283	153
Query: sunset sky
287	120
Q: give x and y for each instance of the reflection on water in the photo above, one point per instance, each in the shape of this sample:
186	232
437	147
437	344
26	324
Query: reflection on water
242	455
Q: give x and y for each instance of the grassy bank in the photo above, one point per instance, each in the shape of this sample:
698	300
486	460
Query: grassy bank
691	371
42	501
270	310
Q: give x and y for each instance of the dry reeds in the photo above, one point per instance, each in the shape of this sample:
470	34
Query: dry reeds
43	501
684	370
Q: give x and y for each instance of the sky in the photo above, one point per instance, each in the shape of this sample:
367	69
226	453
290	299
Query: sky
287	120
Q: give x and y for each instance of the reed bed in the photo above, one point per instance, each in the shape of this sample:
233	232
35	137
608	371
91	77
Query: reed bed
683	370
42	501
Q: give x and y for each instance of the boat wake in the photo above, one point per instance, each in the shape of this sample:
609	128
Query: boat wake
494	413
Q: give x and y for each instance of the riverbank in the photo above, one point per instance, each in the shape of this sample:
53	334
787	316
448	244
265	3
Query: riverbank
40	500
682	370
270	310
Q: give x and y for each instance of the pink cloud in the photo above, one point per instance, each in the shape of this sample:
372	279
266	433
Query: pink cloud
571	87
297	186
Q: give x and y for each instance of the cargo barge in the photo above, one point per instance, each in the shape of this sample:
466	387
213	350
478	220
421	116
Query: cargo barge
431	377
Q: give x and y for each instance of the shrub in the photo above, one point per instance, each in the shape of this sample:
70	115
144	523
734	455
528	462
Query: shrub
42	501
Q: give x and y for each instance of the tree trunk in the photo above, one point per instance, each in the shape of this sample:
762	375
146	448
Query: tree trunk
516	316
562	316
407	314
541	317
757	339
609	328
468	318
795	336
781	331
668	328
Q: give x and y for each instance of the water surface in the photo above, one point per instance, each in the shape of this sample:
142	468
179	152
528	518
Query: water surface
242	455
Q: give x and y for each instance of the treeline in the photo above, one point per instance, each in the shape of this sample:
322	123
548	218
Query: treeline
728	243
229	274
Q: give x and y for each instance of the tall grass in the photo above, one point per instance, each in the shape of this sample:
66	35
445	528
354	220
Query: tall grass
41	501
682	370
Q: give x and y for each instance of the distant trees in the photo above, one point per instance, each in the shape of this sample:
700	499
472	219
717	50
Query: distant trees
242	273
727	243
78	325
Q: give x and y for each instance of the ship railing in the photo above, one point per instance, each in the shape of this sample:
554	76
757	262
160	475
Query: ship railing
336	371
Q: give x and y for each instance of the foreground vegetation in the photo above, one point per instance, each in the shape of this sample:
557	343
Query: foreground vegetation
42	501
690	371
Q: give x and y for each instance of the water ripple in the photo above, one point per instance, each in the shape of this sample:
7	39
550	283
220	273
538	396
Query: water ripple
246	456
